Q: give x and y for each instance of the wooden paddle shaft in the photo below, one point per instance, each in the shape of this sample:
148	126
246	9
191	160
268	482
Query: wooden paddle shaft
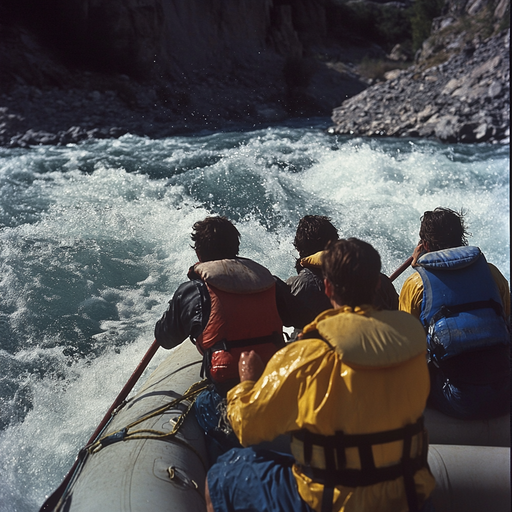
54	498
126	389
401	269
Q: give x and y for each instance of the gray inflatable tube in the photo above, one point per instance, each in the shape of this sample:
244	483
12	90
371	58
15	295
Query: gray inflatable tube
470	460
148	474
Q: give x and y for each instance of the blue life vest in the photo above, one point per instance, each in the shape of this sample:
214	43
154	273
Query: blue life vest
462	309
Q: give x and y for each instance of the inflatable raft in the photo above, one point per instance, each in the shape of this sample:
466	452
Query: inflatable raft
152	455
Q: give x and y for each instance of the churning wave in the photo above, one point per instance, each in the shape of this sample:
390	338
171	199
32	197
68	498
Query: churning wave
95	237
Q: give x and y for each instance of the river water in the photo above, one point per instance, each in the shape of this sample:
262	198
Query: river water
95	237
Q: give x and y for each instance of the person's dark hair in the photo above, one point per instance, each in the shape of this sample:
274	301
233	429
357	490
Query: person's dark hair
353	269
215	238
313	234
443	228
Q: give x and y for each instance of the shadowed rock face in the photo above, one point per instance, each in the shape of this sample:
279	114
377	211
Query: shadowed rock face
76	69
465	98
148	38
143	38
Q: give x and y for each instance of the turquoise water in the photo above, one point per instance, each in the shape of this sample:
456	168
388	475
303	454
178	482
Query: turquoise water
95	237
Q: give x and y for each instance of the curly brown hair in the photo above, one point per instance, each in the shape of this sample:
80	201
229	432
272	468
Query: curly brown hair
313	234
443	228
353	269
215	238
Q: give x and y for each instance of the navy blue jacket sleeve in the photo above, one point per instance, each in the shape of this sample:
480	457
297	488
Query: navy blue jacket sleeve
309	289
290	308
187	315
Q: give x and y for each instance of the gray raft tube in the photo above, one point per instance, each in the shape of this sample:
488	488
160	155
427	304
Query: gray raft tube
134	476
470	461
445	430
470	478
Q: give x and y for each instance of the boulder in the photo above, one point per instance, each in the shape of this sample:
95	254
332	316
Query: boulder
465	98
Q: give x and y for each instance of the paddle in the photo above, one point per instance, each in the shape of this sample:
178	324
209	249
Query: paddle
402	268
54	498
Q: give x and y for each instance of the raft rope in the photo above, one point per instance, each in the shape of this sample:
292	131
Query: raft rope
124	434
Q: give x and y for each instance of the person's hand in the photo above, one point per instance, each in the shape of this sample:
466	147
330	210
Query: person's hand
250	366
418	251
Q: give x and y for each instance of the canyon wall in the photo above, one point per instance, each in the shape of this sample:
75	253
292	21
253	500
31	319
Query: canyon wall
76	69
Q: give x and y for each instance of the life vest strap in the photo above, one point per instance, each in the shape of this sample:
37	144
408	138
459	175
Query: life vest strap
342	440
228	375
448	311
276	338
360	478
337	474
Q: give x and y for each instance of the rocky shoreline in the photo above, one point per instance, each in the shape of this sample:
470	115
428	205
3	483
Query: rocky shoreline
465	99
30	115
458	89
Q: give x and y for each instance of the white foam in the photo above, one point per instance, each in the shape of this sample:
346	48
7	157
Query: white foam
96	238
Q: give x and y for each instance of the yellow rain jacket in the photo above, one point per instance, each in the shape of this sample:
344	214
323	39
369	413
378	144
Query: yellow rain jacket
369	375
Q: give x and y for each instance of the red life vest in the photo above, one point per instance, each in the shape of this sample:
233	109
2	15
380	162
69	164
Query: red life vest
243	316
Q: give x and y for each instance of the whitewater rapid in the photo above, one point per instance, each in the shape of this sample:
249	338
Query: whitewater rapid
95	237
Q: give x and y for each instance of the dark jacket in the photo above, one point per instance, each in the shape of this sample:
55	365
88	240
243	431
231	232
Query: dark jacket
189	311
308	287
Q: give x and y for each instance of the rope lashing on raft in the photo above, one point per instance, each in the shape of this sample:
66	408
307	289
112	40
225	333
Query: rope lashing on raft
124	434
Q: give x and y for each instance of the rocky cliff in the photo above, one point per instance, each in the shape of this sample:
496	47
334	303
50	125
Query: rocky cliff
457	91
75	69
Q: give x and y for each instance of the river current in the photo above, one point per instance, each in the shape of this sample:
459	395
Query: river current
95	238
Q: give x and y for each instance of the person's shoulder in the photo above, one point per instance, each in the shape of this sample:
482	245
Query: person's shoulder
496	274
503	287
307	274
292	280
413	285
313	260
303	280
308	348
413	280
188	287
411	295
386	296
